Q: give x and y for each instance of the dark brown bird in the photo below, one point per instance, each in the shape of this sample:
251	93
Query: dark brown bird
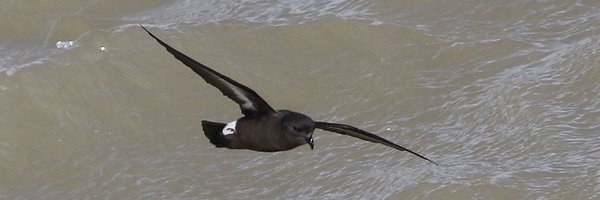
263	128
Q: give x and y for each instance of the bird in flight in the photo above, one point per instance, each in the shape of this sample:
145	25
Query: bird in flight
263	128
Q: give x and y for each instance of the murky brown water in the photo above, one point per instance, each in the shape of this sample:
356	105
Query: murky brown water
505	95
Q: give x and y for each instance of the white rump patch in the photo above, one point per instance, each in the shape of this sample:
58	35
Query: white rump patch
229	128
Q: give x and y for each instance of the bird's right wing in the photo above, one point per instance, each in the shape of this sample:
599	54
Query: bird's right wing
363	135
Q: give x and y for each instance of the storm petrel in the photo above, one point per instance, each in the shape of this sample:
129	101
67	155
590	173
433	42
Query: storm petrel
263	128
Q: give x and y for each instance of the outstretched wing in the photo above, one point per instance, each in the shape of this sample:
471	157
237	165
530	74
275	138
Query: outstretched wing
364	135
250	103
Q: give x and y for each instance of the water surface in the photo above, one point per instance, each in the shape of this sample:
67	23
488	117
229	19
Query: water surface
505	96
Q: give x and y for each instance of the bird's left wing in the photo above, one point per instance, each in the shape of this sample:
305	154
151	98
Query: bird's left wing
250	102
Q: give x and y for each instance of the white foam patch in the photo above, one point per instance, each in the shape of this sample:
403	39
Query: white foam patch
229	128
282	12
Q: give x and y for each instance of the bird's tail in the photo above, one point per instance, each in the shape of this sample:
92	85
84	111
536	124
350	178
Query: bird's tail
213	131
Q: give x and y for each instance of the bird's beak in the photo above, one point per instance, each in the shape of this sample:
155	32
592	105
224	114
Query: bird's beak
311	142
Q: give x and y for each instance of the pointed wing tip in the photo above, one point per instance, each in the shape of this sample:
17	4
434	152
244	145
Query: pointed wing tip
420	156
432	162
147	31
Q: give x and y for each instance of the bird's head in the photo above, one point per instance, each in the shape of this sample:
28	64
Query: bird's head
300	127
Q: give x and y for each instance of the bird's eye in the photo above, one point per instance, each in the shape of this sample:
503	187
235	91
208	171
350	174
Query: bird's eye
295	128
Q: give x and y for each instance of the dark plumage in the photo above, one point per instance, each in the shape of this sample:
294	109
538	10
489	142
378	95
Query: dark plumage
262	128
